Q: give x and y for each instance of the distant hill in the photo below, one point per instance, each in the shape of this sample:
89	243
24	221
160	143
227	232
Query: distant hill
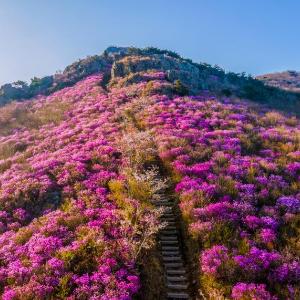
288	80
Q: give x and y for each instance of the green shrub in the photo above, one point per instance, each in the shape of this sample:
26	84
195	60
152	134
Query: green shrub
84	259
227	186
64	287
180	88
23	235
222	233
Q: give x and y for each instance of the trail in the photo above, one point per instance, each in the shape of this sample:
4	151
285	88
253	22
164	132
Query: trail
176	277
170	242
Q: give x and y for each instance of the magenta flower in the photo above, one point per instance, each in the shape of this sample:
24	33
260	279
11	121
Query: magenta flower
267	235
251	291
213	258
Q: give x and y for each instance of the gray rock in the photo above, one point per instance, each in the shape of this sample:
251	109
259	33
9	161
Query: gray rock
176	69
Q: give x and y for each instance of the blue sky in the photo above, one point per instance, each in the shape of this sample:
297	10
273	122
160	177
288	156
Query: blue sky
255	36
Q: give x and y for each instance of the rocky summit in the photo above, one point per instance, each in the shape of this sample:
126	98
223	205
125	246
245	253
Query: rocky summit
138	174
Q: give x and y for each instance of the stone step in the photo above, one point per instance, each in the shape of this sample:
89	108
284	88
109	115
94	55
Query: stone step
168	238
168	219
170	222
165	206
168	216
164	203
172	258
177	286
167	231
163	242
170	229
170	248
177	296
176	272
170	226
176	278
168	208
170	253
173	265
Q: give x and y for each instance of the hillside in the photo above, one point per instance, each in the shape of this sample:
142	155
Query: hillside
289	80
196	77
146	180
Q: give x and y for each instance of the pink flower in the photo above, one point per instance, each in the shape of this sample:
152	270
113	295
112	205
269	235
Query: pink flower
213	258
267	235
251	291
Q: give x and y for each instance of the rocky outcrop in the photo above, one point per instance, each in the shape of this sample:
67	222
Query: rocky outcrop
175	69
191	78
79	70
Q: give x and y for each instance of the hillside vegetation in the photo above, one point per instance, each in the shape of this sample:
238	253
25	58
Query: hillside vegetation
80	169
289	80
196	76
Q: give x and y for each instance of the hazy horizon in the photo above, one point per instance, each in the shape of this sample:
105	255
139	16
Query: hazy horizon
39	39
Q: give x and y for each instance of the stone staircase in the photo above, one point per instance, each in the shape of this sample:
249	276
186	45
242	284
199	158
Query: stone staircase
171	251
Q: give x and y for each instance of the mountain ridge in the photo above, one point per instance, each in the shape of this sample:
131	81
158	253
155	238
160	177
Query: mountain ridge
119	61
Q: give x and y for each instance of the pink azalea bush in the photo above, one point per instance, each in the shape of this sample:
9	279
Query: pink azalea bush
251	291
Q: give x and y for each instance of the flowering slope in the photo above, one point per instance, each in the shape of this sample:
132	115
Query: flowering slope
72	223
237	174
